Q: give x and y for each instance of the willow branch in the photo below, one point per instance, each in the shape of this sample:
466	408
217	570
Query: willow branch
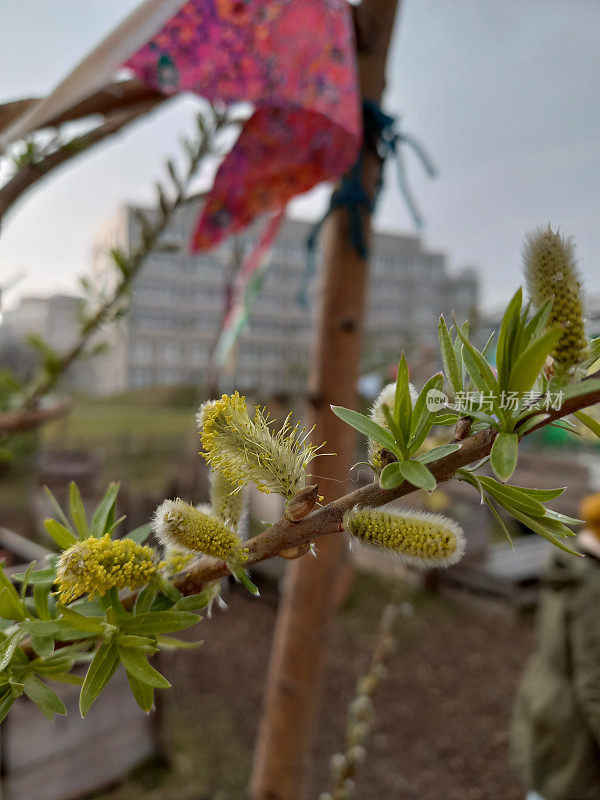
111	98
328	520
29	419
29	175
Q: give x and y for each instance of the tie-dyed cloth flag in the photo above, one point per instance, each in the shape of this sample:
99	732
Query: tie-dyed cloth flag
295	61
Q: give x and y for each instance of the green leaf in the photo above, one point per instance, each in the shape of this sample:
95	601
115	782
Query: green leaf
589	422
77	511
402	411
366	426
41	627
538	526
100	671
142	692
195	601
136	663
169	643
543	495
499	519
504	454
529	363
61	535
451	368
438	452
145	598
416	472
8	647
105	512
513	496
45	576
43	645
58	511
9	607
43	696
537	324
155	622
140	534
531	422
506	337
391	477
73	680
75	620
423	419
133	640
6	703
397	432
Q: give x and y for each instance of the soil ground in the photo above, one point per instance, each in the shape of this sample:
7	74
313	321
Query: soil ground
442	711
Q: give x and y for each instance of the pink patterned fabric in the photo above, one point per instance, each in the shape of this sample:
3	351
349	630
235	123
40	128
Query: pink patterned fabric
295	61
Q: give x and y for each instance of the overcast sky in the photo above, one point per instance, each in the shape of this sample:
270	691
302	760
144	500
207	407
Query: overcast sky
504	94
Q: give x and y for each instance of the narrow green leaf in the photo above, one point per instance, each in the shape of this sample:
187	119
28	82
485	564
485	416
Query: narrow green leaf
101	520
402	411
451	368
423	418
366	426
142	692
8	647
514	496
155	622
506	337
538	526
391	477
529	363
41	627
499	519
43	696
43	645
543	495
589	422
169	643
100	671
73	680
61	535
416	472
438	452
531	422
81	623
586	386
45	576
77	511
145	598
58	511
9	607
195	601
397	432
6	703
140	534
504	455
538	322
136	663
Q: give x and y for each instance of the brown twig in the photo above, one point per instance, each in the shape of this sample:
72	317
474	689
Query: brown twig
29	419
328	519
111	98
29	175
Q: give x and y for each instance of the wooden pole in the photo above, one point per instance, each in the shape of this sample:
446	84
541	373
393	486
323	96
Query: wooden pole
308	601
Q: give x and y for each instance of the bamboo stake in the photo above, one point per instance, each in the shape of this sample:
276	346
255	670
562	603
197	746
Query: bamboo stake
299	644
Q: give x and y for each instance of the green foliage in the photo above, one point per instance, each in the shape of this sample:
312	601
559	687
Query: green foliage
406	431
43	639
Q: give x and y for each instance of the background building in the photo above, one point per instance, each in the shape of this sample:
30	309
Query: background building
178	303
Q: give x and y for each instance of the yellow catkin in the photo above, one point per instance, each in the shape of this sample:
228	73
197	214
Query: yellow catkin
550	271
178	523
246	449
226	499
98	565
421	539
